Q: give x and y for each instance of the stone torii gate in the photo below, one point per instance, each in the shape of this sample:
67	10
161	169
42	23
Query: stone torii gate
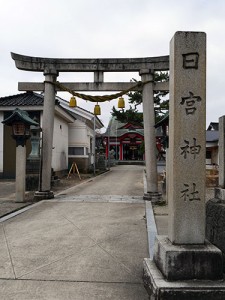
51	68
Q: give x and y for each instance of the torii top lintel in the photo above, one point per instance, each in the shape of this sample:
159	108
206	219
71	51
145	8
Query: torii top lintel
40	64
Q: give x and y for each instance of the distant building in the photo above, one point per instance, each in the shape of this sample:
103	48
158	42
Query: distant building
125	141
81	136
213	126
212	144
212	139
72	138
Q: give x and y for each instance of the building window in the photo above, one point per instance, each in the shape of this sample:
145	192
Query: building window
208	154
76	151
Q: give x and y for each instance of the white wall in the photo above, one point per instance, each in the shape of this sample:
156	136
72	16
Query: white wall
79	134
1	141
60	145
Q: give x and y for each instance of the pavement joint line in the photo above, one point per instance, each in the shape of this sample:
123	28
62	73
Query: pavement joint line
71	281
84	232
51	263
116	260
8	249
101	199
24	209
70	255
102	248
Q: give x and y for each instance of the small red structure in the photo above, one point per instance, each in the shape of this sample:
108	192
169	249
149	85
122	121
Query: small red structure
126	141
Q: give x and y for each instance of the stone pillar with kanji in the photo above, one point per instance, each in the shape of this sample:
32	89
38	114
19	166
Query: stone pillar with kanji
185	255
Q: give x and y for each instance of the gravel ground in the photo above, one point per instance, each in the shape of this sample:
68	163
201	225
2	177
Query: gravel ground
7	192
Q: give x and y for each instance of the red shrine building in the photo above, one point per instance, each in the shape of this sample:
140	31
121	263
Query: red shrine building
125	141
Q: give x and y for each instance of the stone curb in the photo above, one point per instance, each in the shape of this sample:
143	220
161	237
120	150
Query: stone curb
151	227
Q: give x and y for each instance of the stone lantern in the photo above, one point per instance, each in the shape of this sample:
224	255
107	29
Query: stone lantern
35	141
20	122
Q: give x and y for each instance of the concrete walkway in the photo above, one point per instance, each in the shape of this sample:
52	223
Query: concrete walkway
75	247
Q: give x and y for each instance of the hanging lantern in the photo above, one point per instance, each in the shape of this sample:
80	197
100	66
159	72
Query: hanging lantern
121	102
97	110
73	102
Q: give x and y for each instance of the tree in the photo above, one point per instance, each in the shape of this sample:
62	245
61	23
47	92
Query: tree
132	114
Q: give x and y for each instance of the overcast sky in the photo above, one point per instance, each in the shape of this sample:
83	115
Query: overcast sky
108	29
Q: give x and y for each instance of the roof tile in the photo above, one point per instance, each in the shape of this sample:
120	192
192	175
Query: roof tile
24	99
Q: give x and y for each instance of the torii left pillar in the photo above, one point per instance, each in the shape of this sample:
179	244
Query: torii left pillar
47	136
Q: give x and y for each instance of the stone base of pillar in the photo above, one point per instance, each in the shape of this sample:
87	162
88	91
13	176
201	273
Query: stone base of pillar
160	288
153	197
220	194
20	200
39	195
187	262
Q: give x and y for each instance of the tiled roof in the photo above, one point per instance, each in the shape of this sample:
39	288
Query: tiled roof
121	132
212	135
24	99
115	128
35	99
213	126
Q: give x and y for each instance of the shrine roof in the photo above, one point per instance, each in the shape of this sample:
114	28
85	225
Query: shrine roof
117	128
23	99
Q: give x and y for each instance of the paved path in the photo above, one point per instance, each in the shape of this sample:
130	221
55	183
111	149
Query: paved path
84	244
121	180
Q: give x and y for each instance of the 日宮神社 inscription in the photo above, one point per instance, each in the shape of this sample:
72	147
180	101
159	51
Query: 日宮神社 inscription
190	103
184	256
187	138
190	60
190	193
190	148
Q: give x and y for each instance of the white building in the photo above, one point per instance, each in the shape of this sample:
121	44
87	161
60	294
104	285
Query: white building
212	144
72	138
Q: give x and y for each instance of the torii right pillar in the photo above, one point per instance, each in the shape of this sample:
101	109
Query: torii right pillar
185	265
150	138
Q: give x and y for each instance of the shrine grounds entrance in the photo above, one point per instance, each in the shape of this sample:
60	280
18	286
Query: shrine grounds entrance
184	265
51	68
